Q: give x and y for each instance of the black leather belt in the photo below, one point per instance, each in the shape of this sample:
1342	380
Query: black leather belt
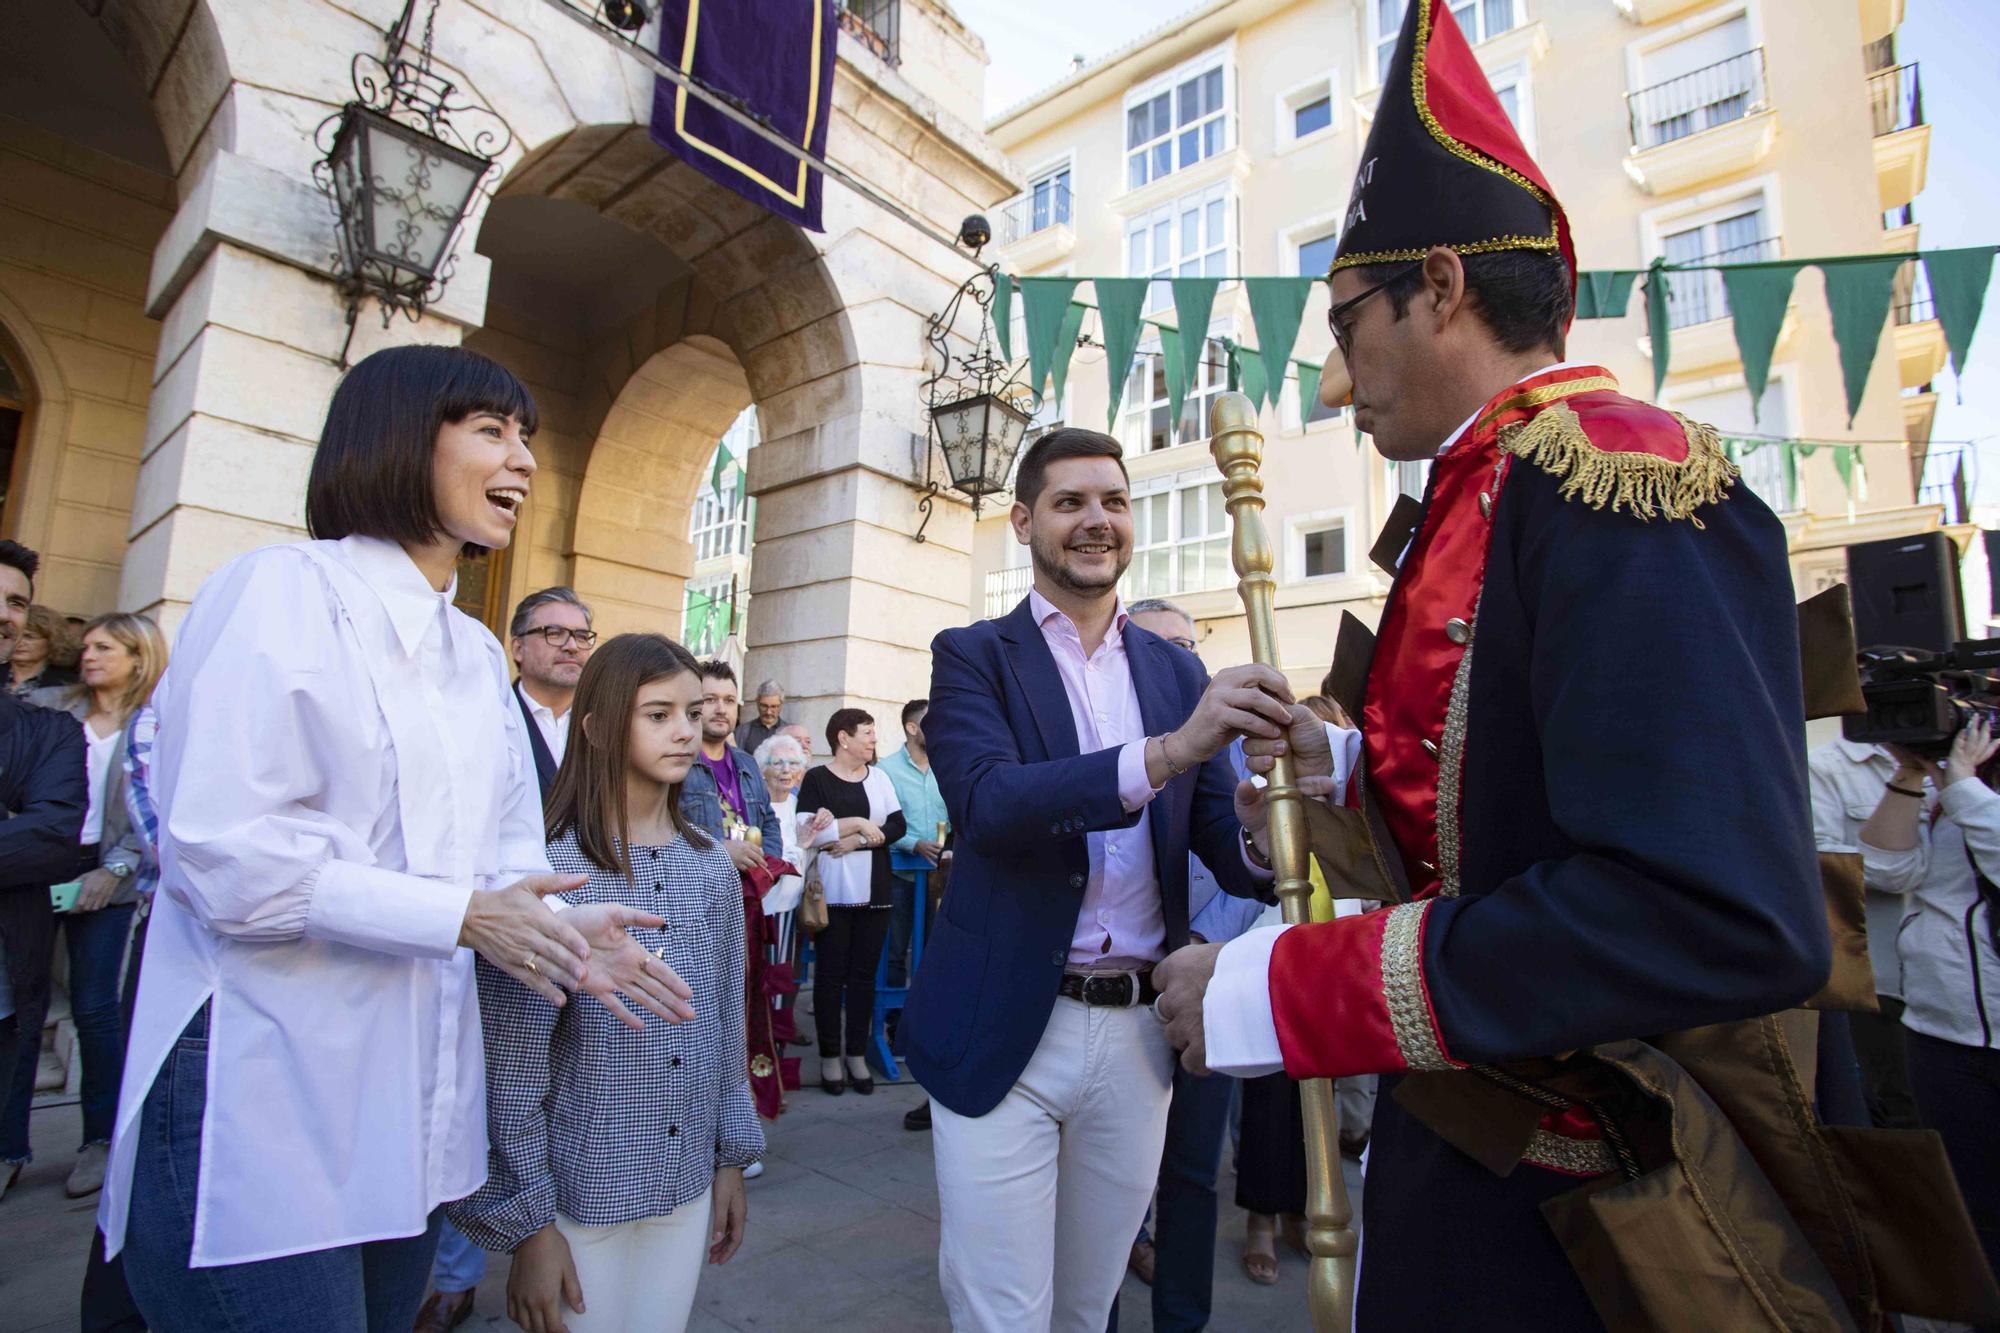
1115	990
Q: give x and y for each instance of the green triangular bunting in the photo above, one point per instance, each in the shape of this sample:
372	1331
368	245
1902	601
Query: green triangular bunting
1657	324
1045	309
1843	463
1170	356
1757	301
1308	389
1250	365
1958	281
1857	296
1604	293
1003	314
1066	348
1120	302
722	461
1276	306
1194	298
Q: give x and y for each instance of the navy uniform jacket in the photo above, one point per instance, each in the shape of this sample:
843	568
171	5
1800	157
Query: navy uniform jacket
1594	725
1022	801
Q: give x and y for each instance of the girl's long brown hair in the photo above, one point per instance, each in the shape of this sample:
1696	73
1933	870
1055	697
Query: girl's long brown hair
589	795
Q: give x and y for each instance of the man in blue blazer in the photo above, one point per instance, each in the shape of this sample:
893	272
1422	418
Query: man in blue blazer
1078	757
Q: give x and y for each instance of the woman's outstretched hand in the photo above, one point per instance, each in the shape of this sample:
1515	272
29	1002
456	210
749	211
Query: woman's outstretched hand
620	963
513	929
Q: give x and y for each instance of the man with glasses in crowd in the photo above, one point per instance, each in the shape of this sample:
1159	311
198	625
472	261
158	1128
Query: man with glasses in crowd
769	721
549	639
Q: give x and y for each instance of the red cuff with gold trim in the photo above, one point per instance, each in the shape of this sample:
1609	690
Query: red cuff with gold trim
1349	996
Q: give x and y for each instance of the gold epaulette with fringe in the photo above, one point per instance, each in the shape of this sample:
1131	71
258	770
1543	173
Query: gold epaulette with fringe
1638	483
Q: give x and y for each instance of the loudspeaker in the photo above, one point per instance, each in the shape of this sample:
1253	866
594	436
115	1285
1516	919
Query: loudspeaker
1906	593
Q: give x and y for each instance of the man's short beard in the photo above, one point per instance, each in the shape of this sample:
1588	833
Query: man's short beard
546	676
1047	558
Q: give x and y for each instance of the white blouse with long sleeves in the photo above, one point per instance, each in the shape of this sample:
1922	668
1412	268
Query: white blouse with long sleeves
339	767
1951	974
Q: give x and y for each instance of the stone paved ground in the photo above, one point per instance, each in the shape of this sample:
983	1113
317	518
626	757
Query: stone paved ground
843	1235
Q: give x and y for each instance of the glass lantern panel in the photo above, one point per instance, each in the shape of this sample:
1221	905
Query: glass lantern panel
417	196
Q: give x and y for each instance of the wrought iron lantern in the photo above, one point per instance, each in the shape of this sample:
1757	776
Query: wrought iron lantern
402	174
980	409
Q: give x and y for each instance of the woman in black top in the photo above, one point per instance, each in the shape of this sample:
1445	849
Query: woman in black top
867	818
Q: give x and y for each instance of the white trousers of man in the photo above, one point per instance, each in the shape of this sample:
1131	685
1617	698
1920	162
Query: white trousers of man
1042	1195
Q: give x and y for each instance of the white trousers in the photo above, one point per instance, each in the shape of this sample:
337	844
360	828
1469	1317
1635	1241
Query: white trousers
638	1275
1042	1195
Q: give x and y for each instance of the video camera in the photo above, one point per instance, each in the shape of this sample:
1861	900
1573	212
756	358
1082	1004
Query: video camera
1919	700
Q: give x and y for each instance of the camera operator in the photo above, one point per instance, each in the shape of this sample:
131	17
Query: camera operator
1950	950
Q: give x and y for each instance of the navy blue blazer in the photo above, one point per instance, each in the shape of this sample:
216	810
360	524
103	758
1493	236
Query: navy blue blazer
1022	800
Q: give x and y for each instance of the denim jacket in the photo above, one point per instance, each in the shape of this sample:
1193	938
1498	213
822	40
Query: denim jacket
702	803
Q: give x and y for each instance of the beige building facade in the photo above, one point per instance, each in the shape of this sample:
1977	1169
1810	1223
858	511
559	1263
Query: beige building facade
1224	143
170	326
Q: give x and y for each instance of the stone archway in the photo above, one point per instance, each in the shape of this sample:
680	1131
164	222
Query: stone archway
648	307
632	557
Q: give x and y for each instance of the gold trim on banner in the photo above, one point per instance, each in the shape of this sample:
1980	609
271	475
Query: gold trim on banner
797	197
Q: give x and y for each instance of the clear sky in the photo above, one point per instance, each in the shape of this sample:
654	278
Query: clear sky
1955	42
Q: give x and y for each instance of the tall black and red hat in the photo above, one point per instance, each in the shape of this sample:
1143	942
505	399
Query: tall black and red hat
1443	165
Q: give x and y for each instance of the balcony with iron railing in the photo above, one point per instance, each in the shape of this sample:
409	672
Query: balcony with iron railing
1035	229
1698	296
1703	335
1703	124
1902	136
876	24
1005	588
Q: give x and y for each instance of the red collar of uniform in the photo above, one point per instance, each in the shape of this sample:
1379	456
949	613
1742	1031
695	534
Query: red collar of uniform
1524	398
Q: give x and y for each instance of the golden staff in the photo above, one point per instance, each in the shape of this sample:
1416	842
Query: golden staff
1238	447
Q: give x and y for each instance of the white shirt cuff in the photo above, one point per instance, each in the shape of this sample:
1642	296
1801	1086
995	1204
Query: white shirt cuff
1134	791
1237	1026
385	910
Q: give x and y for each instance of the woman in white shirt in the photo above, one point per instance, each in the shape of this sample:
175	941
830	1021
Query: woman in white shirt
1949	946
341	799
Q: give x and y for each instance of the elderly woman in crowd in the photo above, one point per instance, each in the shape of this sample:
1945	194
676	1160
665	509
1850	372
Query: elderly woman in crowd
44	654
123	656
783	761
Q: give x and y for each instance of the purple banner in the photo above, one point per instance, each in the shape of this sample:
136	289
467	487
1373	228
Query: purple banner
775	57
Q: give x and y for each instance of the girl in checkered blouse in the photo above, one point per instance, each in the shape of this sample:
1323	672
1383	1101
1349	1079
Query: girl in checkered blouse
616	1159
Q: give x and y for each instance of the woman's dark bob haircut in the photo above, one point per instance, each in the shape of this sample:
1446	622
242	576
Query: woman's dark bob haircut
371	475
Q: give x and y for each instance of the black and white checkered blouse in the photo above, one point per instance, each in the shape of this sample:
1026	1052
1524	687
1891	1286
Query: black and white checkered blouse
585	1115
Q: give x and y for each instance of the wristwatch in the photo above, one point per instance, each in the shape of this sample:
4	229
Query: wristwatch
118	869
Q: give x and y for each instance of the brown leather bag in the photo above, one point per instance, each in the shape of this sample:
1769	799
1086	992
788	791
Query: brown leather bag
812	916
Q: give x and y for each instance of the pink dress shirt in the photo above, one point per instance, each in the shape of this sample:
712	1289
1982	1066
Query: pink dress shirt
1122	923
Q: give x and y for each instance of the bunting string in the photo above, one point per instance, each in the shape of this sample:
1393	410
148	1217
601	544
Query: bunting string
1859	291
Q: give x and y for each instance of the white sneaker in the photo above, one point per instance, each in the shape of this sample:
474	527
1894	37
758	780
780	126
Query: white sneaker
754	1170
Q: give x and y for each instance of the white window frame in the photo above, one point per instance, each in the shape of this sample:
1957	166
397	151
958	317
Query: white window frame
1784	378
1135	415
1299	526
1706	208
1285	135
1291	238
1518	76
1371	55
1216	539
1062	162
1221	57
1159	296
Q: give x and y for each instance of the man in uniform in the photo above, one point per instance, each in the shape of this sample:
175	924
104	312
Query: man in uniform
1583	740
